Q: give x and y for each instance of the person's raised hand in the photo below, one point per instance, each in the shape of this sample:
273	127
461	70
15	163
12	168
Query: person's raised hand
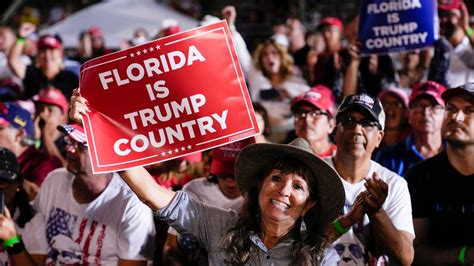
464	16
377	191
357	211
26	29
230	14
78	106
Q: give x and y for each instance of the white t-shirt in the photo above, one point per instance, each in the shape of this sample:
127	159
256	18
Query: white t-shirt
397	205
278	109
209	194
115	225
461	64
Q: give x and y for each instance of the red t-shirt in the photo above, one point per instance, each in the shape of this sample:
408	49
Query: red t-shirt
36	165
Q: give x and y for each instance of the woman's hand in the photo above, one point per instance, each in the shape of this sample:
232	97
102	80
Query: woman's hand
78	105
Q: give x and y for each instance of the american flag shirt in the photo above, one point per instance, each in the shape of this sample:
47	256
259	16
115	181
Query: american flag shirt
114	225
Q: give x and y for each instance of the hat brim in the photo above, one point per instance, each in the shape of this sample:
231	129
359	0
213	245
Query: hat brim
248	171
456	91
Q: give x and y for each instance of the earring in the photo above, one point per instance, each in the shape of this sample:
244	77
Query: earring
303	224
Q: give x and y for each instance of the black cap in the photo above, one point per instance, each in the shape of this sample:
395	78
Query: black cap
9	167
466	90
364	101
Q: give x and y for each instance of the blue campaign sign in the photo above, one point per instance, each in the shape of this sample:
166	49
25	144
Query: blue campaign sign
397	25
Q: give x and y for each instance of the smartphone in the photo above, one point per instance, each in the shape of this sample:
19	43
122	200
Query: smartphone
269	94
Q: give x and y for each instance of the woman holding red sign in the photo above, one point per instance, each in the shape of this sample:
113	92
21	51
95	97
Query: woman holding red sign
290	198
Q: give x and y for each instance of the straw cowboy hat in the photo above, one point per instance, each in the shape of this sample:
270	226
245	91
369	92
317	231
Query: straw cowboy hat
329	189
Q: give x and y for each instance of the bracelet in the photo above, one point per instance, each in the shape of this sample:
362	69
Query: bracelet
12	241
16	248
462	255
20	40
37	143
469	32
338	227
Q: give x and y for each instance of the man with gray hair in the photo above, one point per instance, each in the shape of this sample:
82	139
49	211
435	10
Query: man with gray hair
376	226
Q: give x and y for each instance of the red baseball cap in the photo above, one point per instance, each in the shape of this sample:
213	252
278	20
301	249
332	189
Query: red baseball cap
223	157
319	96
429	88
449	5
397	92
171	30
95	31
49	42
52	96
331	21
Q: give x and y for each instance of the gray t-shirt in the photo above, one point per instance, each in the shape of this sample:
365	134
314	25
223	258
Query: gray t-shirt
210	224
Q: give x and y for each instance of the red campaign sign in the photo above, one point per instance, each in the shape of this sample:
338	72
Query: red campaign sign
165	99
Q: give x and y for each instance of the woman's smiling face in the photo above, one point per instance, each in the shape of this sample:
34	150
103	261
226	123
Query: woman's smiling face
284	197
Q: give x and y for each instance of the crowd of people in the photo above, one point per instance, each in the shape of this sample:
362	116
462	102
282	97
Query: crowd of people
360	160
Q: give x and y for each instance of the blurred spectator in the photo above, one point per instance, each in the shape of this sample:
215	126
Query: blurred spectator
270	78
7	39
441	189
51	111
369	74
174	174
48	68
414	68
220	190
91	45
307	57
453	28
16	134
314	113
329	67
395	105
169	27
425	115
263	123
14	195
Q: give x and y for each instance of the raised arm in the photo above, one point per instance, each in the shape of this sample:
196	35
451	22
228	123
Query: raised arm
14	57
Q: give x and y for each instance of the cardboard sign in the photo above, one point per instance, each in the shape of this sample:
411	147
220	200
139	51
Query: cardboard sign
165	99
397	25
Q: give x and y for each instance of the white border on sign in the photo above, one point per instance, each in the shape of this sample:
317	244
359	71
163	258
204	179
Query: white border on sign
198	144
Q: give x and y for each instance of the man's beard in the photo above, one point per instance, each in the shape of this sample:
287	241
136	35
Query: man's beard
448	30
459	143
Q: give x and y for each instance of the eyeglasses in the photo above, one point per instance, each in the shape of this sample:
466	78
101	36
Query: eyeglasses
301	115
417	107
351	122
75	144
394	105
451	110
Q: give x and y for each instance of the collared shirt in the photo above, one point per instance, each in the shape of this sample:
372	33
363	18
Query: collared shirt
400	156
210	224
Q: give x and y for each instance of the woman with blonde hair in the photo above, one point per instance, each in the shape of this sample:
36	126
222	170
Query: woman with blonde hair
271	78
